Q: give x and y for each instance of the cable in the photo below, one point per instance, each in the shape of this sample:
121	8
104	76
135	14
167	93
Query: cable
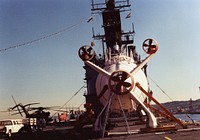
187	115
81	104
69	100
160	88
47	36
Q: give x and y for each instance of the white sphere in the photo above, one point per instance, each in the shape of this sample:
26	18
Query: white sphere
126	64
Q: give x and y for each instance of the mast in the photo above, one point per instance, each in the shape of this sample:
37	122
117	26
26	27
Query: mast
113	34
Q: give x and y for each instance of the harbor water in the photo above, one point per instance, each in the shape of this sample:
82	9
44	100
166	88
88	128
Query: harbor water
188	117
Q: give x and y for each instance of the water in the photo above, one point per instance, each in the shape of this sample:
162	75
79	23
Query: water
195	117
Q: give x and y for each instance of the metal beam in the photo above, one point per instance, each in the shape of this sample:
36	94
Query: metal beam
161	106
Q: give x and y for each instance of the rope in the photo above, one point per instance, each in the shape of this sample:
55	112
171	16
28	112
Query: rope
160	88
81	104
69	100
47	36
186	114
125	118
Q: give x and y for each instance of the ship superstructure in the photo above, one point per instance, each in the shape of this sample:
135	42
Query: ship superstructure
116	45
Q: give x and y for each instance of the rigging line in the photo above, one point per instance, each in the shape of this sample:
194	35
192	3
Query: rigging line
69	100
186	114
81	104
47	36
160	88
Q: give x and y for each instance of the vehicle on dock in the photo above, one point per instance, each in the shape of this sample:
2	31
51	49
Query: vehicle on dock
10	126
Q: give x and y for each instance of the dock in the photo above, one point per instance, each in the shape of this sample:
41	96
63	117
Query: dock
119	133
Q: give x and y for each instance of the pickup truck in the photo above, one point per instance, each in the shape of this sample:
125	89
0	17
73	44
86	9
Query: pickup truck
10	126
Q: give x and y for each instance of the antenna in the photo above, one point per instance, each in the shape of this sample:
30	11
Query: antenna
17	106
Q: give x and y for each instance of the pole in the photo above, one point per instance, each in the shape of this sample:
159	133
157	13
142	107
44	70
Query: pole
161	106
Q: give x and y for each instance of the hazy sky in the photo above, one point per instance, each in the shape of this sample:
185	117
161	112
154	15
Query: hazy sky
50	71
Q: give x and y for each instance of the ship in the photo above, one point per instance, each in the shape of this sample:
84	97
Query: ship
117	85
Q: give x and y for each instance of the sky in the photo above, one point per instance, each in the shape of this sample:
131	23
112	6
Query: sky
49	71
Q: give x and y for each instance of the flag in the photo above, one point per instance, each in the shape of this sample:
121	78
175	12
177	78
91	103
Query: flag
129	15
90	19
